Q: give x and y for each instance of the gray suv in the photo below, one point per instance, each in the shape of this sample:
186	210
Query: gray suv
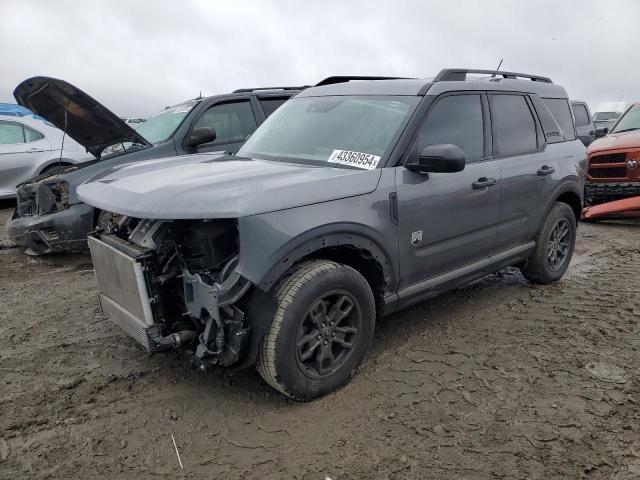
353	200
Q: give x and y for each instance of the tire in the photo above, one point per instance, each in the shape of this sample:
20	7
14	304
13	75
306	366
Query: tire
287	359
541	267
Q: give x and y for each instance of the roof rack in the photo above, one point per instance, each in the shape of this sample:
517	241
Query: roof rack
460	75
246	90
348	78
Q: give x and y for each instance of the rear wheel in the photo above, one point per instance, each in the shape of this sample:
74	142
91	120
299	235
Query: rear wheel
554	246
321	330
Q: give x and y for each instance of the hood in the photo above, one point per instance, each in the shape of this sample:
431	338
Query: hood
616	141
206	186
87	121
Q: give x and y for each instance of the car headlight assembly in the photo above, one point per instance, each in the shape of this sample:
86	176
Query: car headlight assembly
53	197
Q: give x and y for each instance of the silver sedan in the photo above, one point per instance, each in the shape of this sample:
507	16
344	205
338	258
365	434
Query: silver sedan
29	147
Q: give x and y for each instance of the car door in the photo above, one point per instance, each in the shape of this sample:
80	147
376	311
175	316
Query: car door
527	167
448	220
22	150
233	121
585	128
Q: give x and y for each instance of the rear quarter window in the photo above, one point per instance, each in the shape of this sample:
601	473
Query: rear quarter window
31	135
559	108
551	129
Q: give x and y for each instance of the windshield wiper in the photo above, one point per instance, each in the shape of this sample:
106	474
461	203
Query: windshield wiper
137	146
627	130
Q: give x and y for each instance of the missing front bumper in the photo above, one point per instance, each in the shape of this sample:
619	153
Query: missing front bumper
124	286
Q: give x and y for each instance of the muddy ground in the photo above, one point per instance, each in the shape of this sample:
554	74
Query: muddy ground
501	379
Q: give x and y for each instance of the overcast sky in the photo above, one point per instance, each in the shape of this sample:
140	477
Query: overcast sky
137	57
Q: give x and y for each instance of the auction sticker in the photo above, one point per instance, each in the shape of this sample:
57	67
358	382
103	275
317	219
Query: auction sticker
354	159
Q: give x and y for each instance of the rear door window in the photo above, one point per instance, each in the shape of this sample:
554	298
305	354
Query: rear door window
559	107
581	115
233	122
514	127
270	105
455	119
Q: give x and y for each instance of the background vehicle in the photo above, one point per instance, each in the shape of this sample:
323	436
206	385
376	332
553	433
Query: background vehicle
614	161
13	110
585	128
28	147
353	200
134	122
49	216
608	113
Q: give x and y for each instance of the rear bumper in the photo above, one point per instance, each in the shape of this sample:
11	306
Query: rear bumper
56	232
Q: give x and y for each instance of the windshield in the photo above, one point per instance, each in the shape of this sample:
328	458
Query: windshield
604	116
629	121
353	131
160	126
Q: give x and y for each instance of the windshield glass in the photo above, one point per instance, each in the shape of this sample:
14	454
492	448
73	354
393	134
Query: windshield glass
629	121
353	131
604	116
160	126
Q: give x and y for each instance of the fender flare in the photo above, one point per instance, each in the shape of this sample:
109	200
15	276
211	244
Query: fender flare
333	235
569	186
260	303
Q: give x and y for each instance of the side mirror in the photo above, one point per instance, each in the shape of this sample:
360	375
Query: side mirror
601	132
201	135
443	158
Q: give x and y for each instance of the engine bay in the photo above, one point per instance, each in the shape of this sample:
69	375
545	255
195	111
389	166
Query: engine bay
189	270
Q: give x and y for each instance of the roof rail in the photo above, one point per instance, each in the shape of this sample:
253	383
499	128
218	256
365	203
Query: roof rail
348	78
246	90
460	75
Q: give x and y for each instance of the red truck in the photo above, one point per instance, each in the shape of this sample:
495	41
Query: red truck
614	166
613	174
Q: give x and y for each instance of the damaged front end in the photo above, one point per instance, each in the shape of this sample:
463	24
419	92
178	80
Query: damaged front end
42	197
174	284
45	221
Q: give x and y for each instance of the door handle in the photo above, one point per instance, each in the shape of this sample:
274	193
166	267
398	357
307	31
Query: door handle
483	182
34	150
546	170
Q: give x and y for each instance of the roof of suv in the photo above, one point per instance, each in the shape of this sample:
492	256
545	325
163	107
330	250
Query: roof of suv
447	80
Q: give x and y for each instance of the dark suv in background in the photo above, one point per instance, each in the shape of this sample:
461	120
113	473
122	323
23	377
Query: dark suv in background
49	217
585	128
353	200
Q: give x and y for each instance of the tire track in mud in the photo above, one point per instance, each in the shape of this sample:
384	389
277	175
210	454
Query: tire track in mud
499	379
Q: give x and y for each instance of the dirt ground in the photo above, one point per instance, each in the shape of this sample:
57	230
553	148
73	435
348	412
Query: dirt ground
501	379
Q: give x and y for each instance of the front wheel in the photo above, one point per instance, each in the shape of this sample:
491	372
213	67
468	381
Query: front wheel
554	246
321	330
54	168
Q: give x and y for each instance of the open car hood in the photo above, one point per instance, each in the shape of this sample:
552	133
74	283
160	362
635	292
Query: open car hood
87	121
